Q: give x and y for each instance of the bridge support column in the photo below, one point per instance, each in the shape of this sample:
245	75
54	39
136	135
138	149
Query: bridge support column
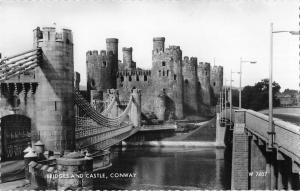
271	171
258	166
136	108
280	185
288	169
54	123
280	169
77	171
239	177
220	132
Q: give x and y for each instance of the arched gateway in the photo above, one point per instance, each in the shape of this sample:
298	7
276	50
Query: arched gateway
15	136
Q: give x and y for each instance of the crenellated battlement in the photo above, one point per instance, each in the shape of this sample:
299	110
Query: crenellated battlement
112	91
112	40
192	61
204	65
127	49
169	54
52	34
173	47
133	73
158	44
217	69
92	53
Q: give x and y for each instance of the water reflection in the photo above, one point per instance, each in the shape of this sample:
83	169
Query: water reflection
168	168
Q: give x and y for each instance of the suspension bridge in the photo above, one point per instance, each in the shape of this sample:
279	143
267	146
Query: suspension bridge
40	103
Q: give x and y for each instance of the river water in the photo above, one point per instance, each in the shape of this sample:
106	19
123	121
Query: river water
168	168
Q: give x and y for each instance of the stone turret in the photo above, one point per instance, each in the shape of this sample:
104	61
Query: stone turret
159	44
128	63
190	84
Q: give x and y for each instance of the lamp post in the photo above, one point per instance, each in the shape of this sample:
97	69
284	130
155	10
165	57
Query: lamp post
220	102
271	127
225	101
230	92
240	89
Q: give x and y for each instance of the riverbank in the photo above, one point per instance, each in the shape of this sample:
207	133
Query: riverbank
172	144
202	135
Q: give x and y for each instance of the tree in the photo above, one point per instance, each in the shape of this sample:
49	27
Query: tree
257	97
235	97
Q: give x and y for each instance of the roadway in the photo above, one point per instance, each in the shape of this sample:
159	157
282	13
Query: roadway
291	115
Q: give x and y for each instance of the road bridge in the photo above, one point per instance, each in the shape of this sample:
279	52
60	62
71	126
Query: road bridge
262	159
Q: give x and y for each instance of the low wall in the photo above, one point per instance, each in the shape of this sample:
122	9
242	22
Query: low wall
283	110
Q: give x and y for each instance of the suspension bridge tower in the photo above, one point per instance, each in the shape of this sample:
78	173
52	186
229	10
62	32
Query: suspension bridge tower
54	123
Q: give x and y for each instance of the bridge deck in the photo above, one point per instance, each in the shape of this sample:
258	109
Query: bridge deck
160	127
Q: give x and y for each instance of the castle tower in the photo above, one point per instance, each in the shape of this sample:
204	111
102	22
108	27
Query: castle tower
102	68
190	84
54	98
158	44
166	75
112	52
112	46
127	58
204	80
216	80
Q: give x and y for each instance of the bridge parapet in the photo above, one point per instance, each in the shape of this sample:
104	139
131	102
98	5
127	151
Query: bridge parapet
287	135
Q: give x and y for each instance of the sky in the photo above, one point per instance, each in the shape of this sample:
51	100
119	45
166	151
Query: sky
215	31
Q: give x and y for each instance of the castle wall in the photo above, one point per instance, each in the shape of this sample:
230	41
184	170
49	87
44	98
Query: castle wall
135	79
54	96
167	75
19	98
190	92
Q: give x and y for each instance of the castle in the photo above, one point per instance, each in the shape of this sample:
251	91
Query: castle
173	88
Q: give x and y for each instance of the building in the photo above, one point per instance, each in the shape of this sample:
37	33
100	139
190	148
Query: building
175	87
